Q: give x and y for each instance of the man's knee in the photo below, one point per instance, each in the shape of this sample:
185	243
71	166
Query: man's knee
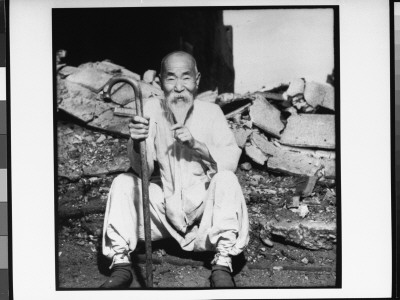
226	177
124	181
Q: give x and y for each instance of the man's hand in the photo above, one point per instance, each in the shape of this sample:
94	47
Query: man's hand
139	128
183	135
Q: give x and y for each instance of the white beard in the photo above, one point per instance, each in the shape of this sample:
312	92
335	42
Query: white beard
179	107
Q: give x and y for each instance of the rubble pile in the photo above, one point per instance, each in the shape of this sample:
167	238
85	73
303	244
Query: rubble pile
288	130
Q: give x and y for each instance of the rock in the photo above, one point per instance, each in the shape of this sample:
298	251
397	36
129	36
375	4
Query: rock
119	164
267	242
288	162
330	196
149	76
246	166
294	202
67	70
130	74
255	154
90	78
296	87
303	210
81	103
101	139
265	116
306	187
304	260
241	136
308	152
149	91
319	94
69	173
95	170
108	121
313	235
208	96
310	131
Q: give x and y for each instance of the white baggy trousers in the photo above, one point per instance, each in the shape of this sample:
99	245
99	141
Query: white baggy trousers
223	217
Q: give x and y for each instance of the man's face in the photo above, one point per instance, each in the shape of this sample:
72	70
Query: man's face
179	82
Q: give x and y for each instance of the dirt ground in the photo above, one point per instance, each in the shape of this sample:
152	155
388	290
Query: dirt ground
81	204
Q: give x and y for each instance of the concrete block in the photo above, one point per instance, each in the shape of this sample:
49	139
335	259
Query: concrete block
293	163
310	131
296	87
92	79
313	235
255	154
319	94
81	102
265	116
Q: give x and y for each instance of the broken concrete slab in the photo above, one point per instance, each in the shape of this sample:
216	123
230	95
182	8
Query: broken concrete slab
319	94
265	116
208	96
293	163
81	102
241	136
255	154
309	152
128	73
90	78
310	131
109	122
67	70
296	87
149	76
313	235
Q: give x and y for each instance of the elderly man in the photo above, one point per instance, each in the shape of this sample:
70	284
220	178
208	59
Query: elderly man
200	203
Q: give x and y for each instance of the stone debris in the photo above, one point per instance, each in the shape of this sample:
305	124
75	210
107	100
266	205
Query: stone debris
288	130
313	235
283	129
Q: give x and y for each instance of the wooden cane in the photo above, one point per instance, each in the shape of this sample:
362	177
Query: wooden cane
144	167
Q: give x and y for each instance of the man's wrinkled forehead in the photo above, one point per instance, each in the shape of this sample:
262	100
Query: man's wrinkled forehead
181	62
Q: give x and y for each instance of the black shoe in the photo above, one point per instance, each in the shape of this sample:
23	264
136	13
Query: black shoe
221	276
121	277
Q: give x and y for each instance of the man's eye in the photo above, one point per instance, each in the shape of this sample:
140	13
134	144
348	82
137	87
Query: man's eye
170	78
187	78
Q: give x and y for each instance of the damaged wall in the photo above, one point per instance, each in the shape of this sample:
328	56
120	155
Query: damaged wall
273	46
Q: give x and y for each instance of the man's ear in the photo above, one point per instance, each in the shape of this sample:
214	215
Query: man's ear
198	79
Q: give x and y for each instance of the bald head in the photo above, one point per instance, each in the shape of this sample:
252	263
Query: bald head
178	58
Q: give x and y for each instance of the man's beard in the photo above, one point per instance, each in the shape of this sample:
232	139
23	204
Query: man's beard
179	105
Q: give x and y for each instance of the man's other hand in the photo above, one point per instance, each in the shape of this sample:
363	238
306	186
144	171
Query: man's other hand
183	135
139	128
